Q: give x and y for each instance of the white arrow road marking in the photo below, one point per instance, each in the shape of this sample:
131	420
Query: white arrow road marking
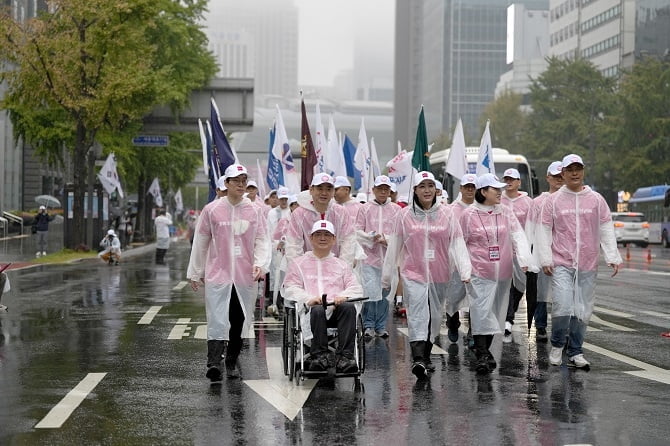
201	332
180	286
284	395
180	329
597	320
648	371
436	348
149	315
612	312
62	411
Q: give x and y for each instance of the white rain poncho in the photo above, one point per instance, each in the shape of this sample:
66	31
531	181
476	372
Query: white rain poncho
375	219
427	247
277	217
543	281
309	276
230	240
456	291
300	227
492	232
573	227
521	206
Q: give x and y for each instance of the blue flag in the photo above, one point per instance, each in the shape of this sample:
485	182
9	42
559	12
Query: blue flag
221	149
349	153
275	175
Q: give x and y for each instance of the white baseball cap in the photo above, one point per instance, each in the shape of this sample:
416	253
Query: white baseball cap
469	178
322	178
572	159
362	197
422	176
554	168
394	187
252	183
383	180
512	173
489	180
221	183
283	192
323	225
341	181
42	207
272	191
235	170
110	232
438	185
292	199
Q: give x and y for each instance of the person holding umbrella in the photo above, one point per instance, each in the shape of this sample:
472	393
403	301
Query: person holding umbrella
41	230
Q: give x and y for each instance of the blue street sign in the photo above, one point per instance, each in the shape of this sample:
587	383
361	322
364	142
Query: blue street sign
151	141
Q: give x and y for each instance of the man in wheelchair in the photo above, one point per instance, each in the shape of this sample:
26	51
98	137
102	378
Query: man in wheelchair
319	272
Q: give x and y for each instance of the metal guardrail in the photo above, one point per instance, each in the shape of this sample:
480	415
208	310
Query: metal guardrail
13	218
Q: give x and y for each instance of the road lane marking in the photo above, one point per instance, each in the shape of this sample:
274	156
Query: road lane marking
180	286
201	332
149	315
180	329
62	411
655	273
657	314
612	312
648	371
597	320
285	396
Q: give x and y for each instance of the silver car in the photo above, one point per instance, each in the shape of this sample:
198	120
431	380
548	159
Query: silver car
631	227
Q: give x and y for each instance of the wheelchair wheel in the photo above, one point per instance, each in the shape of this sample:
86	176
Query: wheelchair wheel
360	344
285	343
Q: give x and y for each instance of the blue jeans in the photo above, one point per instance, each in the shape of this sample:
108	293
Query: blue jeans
541	315
568	327
375	314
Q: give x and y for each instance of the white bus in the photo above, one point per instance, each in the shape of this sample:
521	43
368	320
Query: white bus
654	203
502	160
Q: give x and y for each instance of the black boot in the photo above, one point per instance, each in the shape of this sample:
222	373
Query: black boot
482	352
489	356
419	364
426	357
453	322
214	356
232	353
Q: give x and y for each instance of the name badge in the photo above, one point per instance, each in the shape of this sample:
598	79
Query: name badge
430	254
494	253
238	251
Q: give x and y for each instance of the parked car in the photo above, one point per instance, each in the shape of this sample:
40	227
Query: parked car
631	227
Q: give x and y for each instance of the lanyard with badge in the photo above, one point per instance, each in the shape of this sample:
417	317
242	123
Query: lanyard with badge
494	251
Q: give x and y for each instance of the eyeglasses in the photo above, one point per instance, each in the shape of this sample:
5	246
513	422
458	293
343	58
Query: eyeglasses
574	168
238	180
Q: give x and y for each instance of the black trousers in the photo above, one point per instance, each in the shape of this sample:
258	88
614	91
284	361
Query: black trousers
344	318
236	318
516	295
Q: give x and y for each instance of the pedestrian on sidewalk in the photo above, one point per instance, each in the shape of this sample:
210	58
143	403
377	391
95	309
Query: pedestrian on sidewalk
493	236
162	223
428	246
230	253
575	223
41	230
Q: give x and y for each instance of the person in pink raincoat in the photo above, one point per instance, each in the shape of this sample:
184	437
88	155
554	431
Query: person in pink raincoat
319	272
343	197
575	222
521	204
456	292
426	239
317	204
376	220
230	253
274	216
493	235
555	181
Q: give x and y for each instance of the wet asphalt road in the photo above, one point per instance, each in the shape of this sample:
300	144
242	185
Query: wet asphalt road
71	323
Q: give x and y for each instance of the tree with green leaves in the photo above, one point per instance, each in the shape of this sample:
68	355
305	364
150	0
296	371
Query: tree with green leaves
88	70
642	127
507	121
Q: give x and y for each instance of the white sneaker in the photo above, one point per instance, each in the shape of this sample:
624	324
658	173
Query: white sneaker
556	355
44	253
369	333
578	361
508	328
3	308
38	254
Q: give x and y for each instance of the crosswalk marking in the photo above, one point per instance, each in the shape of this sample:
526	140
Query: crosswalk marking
649	371
597	320
149	315
657	314
62	411
612	312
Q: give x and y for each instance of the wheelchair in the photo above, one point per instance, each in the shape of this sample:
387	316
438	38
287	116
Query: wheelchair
295	352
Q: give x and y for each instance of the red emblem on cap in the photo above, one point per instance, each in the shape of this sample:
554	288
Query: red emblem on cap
323	225
425	175
240	168
325	178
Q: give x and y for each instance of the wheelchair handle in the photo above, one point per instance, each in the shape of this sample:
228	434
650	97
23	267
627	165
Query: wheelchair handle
325	303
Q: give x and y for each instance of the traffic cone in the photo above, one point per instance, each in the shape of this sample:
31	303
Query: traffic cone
627	252
649	255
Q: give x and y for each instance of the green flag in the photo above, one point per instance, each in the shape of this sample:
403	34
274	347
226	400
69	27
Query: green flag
421	154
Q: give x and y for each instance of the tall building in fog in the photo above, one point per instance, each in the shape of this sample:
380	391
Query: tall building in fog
450	55
259	39
612	34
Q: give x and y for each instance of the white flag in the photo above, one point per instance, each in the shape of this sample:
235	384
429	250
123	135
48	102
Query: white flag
260	179
320	143
282	151
400	172
334	157
203	143
108	176
457	163
485	159
178	202
155	190
362	157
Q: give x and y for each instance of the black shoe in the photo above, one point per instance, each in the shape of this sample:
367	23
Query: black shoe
419	370
490	360
232	371
319	364
430	367
453	323
482	366
214	374
541	334
346	365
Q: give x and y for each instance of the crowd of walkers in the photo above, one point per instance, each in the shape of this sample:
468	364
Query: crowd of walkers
470	259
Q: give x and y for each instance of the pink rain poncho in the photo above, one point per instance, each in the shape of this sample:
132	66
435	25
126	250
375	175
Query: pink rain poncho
277	225
490	233
373	219
300	227
521	206
352	207
456	292
573	227
230	240
427	246
309	276
543	281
